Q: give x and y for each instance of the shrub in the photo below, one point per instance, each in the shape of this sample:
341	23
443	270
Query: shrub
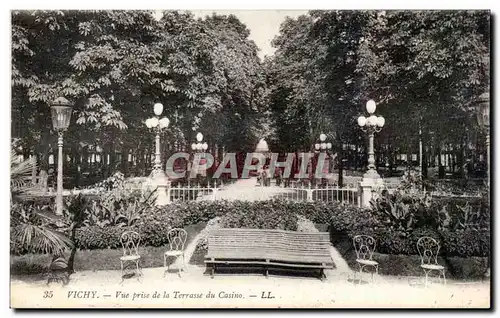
466	243
260	215
113	182
95	237
466	212
120	207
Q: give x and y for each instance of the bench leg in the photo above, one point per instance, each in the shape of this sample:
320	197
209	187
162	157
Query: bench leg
267	272
213	271
322	275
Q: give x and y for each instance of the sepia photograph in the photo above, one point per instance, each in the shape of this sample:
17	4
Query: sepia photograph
335	159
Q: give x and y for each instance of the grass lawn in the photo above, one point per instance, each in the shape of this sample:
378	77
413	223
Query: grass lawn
102	259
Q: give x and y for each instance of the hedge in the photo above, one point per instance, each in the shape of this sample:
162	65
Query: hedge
344	221
260	215
155	223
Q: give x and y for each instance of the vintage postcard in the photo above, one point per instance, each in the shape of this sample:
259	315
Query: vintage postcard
250	159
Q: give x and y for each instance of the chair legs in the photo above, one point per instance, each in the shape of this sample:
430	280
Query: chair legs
441	272
138	269
375	272
181	267
165	265
361	267
121	265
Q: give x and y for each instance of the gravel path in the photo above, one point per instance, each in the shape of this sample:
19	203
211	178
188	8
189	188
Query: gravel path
336	291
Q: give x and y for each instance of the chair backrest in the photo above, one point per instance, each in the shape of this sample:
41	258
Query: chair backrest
176	239
130	243
428	248
364	246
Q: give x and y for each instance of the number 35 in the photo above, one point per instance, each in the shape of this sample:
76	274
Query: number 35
47	294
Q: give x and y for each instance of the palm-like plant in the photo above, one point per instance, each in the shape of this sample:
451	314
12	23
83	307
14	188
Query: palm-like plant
20	174
33	228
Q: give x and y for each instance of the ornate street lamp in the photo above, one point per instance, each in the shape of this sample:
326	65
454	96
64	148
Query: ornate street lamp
483	119
199	146
61	110
157	125
323	145
371	125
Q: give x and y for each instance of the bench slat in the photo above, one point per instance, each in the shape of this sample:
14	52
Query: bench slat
271	263
242	250
269	247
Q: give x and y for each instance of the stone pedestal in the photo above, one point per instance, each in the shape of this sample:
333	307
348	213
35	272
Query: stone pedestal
162	184
368	187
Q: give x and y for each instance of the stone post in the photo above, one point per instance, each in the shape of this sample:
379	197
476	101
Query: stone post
162	184
370	184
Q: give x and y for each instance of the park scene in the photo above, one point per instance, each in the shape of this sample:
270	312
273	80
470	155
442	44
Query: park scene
347	168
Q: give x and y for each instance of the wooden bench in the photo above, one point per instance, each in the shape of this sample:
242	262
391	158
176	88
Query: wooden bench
269	248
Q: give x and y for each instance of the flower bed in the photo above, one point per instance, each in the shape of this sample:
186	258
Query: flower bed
457	238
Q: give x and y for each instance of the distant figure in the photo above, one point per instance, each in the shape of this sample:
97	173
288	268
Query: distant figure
441	172
266	175
278	176
260	176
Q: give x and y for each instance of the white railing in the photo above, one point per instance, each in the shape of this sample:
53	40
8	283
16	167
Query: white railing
326	194
192	193
292	192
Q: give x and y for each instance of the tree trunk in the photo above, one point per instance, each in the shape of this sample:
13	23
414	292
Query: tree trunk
33	170
112	159
341	170
424	159
124	161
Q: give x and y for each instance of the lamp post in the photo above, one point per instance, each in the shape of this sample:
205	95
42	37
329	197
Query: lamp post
157	125
61	115
199	146
322	146
483	119
371	125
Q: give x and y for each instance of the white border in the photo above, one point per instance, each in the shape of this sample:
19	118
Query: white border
192	4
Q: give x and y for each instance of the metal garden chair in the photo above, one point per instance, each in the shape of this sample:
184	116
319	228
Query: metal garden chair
428	248
364	246
176	241
130	241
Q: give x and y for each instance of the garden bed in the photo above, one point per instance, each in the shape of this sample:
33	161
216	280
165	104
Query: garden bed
97	259
472	267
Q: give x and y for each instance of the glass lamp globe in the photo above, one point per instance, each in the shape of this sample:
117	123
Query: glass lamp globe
148	123
371	106
61	113
164	122
329	145
199	137
372	120
154	122
323	146
322	137
193	146
362	121
380	121
158	109
205	146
